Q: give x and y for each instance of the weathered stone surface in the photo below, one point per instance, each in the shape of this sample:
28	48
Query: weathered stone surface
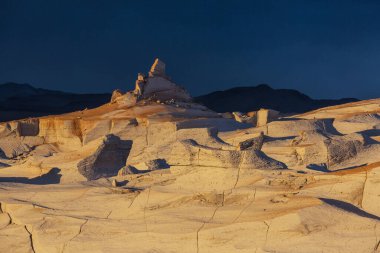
342	148
61	131
13	146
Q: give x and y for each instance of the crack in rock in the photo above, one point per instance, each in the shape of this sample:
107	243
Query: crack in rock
237	177
377	242
36	205
364	183
108	215
266	234
245	208
147	201
30	238
133	200
75	236
208	221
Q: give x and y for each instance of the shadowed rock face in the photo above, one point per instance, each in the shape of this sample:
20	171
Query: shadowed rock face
342	148
108	159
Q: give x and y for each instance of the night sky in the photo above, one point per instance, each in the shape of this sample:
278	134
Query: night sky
324	48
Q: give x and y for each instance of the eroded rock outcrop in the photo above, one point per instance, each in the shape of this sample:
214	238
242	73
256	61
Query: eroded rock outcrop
19	138
190	153
158	86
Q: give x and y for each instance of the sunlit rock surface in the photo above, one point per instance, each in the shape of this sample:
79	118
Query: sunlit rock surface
152	171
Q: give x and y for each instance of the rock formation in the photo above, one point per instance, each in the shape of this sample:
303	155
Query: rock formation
257	118
116	94
152	171
158	86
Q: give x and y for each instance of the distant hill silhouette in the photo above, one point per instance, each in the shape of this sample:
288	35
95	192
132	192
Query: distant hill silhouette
23	100
245	99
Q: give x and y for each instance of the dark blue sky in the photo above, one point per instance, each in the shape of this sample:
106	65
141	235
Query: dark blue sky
324	48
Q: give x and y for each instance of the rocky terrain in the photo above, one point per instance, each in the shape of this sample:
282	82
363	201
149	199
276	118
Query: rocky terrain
153	171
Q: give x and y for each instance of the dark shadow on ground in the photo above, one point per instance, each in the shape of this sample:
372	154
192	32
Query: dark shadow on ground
4	165
52	177
367	134
349	208
318	167
284	138
323	167
352	167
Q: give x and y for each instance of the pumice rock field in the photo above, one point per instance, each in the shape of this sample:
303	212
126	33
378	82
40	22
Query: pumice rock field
152	171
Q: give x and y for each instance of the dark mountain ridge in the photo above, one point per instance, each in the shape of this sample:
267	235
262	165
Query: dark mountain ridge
23	100
245	99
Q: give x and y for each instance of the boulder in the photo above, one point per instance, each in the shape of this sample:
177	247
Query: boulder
114	183
116	94
128	99
157	164
139	85
244	118
255	143
264	116
44	150
128	170
107	160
